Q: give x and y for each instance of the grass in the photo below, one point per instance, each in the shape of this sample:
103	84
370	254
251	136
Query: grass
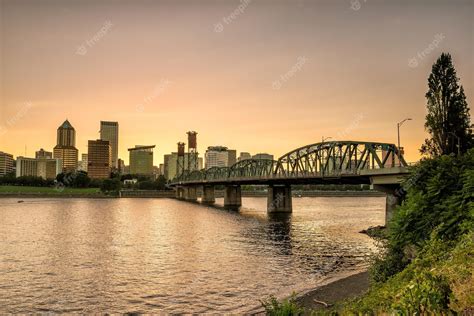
10	189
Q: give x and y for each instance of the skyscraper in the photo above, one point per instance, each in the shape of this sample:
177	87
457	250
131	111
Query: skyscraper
99	159
141	160
110	131
6	163
65	148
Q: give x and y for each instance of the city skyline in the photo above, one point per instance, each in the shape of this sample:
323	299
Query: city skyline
317	77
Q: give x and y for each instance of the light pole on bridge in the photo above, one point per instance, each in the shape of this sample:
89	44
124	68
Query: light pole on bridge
398	133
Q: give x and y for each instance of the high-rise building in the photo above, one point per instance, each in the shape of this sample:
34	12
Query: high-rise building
39	167
263	156
110	131
170	164
65	148
244	156
121	166
141	160
6	163
232	157
82	164
99	159
43	154
219	156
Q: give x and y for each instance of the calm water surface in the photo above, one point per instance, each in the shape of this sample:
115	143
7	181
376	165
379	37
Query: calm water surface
163	255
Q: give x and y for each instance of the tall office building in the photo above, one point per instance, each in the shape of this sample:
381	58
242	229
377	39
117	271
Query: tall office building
170	164
99	159
39	167
43	154
6	163
82	164
219	156
244	156
65	148
110	131
141	160
263	156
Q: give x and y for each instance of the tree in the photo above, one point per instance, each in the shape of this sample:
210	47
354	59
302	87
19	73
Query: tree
448	119
111	185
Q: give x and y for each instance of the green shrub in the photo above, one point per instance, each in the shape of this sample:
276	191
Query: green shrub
287	307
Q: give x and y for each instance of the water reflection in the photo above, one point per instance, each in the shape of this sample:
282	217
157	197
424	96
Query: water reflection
159	255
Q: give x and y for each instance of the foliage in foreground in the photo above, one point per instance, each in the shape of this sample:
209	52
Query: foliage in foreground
439	204
439	281
287	307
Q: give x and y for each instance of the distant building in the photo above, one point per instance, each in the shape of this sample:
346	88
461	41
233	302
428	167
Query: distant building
141	160
219	156
170	165
110	131
232	157
43	154
99	157
82	164
121	166
42	167
263	156
6	163
162	169
65	148
244	156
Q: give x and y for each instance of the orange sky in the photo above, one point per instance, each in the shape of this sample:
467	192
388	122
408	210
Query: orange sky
161	68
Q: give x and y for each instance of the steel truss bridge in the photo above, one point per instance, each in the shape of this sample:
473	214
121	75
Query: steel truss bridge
326	162
340	162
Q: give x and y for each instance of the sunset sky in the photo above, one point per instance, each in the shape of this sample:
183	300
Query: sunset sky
252	75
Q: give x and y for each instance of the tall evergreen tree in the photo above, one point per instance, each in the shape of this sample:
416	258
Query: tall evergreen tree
448	119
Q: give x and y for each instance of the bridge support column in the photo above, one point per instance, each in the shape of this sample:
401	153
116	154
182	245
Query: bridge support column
279	199
208	195
179	193
232	197
392	200
190	194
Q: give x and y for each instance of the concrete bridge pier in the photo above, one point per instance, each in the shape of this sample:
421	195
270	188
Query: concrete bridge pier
279	199
190	194
208	196
179	193
232	197
392	201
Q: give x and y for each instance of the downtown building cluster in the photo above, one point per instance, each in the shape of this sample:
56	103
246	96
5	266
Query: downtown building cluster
101	159
99	162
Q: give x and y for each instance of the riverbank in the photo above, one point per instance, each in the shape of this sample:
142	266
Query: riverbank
8	191
329	291
334	291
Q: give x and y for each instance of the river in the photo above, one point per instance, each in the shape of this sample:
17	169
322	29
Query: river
164	255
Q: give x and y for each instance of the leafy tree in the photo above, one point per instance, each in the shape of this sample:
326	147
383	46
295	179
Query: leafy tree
439	204
448	119
111	185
